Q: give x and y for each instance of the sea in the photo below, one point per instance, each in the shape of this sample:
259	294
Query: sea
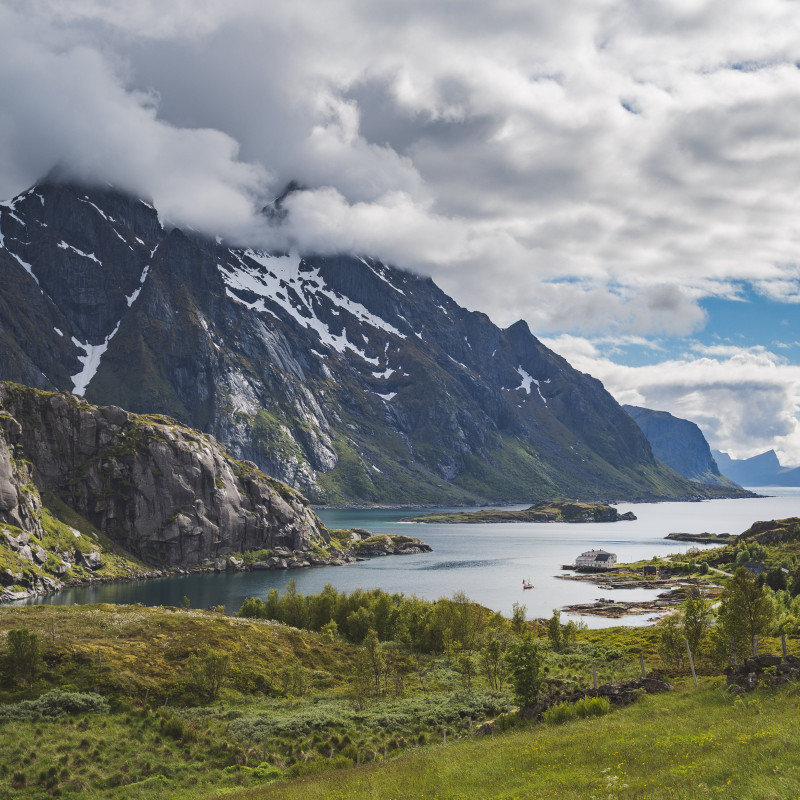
489	562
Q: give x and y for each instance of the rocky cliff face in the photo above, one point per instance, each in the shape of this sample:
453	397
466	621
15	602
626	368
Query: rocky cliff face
680	444
162	492
343	377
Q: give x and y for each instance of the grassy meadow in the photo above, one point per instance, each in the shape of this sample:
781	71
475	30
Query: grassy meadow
683	745
371	695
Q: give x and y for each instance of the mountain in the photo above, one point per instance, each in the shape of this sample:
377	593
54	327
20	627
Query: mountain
351	380
761	470
680	444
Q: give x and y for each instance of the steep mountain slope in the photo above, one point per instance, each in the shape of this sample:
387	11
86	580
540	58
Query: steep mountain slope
162	492
348	379
761	470
680	444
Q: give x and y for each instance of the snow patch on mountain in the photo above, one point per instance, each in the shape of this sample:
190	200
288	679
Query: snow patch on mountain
90	360
377	272
96	208
62	245
129	298
527	380
25	265
280	280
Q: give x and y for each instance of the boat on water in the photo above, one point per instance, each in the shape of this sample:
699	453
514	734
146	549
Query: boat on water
526	584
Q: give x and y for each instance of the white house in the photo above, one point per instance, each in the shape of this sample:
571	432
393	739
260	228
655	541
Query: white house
595	559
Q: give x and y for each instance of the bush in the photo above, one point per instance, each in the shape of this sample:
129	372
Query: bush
592	706
559	713
585	707
55	704
24	654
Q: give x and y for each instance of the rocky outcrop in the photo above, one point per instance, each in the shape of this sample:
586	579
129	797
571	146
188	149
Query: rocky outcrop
543	511
680	444
618	694
348	379
165	493
765	668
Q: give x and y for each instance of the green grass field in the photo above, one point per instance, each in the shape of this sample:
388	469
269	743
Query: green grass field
292	720
686	744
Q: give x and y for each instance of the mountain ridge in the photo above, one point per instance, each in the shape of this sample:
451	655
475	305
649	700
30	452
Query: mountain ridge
680	444
351	380
763	469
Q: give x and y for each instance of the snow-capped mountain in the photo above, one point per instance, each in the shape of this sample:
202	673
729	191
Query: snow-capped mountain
347	378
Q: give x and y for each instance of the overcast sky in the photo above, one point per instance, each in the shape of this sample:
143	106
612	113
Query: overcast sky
623	175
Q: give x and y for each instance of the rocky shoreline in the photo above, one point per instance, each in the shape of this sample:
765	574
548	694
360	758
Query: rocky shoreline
363	546
675	590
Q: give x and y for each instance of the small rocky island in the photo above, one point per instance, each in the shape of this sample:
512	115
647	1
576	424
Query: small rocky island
543	511
703	538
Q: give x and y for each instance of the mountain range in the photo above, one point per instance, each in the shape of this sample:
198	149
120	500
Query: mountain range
344	377
761	470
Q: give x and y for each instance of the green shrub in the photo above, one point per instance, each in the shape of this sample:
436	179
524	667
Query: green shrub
585	707
592	706
55	704
559	713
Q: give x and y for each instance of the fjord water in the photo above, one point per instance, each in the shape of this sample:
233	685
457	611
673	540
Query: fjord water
487	561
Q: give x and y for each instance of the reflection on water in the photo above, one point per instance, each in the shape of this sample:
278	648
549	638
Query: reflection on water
488	562
464	564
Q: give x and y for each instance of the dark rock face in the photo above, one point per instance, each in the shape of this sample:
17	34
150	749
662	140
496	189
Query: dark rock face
680	444
341	376
165	493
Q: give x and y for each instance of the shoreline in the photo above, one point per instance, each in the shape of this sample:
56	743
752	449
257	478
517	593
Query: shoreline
283	560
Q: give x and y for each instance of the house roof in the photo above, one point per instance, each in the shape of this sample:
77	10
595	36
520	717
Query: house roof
597	555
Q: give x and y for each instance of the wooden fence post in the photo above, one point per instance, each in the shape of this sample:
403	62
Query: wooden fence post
691	662
755	645
641	661
783	645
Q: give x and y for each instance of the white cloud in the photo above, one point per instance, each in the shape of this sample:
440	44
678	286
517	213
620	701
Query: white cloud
597	168
647	150
745	399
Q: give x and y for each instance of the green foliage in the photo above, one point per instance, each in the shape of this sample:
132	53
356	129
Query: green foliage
559	713
554	630
585	707
208	670
671	647
745	609
592	706
525	666
54	705
518	614
696	619
453	624
24	654
491	658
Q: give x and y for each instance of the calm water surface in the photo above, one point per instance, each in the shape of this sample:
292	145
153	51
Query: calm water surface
487	561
